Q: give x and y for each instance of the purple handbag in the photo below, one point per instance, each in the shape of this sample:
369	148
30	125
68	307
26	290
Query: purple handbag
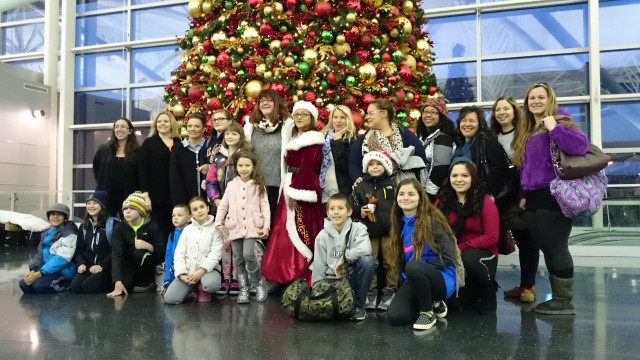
578	197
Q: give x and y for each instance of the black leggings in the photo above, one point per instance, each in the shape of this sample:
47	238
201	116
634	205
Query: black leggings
480	267
529	255
89	283
424	285
273	193
551	230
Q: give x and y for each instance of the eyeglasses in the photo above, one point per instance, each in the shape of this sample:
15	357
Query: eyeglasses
266	100
301	115
219	119
430	113
371	113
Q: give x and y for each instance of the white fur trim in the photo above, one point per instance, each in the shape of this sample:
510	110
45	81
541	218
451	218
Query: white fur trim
294	237
305	105
307	138
297	194
381	157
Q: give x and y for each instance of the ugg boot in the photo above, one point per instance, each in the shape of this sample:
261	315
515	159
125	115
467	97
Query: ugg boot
561	302
258	282
243	296
203	295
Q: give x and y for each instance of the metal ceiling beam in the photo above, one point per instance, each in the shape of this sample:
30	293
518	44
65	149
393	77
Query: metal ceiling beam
12	4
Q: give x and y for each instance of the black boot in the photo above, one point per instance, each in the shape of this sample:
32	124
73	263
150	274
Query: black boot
488	303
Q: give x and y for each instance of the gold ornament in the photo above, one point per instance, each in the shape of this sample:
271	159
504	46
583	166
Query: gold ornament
340	39
385	38
275	45
415	114
194	9
179	110
407	7
310	56
342	49
294	98
391	68
207	7
394	33
406	24
278	7
299	93
376	3
351	17
218	37
267	75
252	89
268	10
410	61
240	50
299	84
207	69
288	61
231	86
422	48
195	40
367	73
260	69
212	59
250	34
190	67
409	96
236	64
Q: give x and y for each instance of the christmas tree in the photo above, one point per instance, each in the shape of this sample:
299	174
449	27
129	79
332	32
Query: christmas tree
327	52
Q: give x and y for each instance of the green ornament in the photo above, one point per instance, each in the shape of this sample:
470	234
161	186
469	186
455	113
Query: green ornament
327	37
269	59
401	115
240	30
324	85
295	57
191	32
228	5
424	88
377	42
405	124
397	55
304	68
189	44
341	61
376	58
266	40
234	58
283	28
205	59
350	81
210	90
348	63
241	74
166	95
303	7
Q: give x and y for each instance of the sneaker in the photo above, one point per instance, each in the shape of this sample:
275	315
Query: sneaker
142	288
234	288
513	293
528	295
371	302
359	314
224	287
387	298
440	309
425	321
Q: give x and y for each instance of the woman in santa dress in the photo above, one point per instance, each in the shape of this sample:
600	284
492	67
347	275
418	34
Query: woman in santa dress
299	216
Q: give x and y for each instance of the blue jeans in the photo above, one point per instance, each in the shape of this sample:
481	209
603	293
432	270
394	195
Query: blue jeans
360	276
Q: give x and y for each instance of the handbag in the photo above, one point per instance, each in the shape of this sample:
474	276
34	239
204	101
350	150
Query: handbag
326	300
574	167
506	243
578	197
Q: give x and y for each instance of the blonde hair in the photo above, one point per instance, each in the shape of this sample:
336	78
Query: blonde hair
347	133
175	126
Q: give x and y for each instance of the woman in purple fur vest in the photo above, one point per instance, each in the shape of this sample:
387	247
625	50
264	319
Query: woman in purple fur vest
543	122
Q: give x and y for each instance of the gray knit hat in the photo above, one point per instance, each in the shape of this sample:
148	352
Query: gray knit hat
463	160
61	208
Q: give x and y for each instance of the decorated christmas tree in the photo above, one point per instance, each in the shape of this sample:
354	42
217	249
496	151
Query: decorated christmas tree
327	52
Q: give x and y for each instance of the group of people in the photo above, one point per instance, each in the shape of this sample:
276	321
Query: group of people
428	206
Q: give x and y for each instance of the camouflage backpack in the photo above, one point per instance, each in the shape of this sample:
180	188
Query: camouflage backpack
326	300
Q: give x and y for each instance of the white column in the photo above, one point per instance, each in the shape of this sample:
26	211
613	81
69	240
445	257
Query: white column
595	105
51	41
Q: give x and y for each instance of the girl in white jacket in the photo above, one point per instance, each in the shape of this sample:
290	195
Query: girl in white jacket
196	257
244	217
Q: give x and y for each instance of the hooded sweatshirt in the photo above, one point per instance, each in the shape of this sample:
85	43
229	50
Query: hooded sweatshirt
332	244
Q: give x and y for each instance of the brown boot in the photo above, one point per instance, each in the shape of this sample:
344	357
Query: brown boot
561	302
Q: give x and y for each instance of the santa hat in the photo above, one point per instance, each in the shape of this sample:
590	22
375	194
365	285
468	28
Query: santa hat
381	156
305	105
438	103
135	201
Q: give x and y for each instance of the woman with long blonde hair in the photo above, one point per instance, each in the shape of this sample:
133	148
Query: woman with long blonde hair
339	133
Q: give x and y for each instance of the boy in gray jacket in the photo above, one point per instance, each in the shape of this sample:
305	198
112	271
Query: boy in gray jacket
342	241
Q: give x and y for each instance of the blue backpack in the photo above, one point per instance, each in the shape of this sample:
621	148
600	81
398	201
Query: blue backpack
111	222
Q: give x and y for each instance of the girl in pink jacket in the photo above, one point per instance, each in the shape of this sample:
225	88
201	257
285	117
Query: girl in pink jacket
243	217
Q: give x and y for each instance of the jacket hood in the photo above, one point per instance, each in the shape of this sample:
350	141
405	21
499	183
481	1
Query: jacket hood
333	232
209	221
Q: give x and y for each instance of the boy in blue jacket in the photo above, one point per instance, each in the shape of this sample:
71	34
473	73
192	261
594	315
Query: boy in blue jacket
180	217
53	267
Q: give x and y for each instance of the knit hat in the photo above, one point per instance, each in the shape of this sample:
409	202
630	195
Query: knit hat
61	208
438	103
135	201
381	156
305	105
100	197
463	160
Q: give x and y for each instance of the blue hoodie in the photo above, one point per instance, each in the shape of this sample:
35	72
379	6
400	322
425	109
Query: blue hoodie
168	257
55	251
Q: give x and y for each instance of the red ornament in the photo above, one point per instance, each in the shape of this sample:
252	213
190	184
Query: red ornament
412	129
365	41
309	2
433	90
392	79
310	96
291	4
319	125
195	94
420	65
280	89
249	64
207	46
333	59
349	102
368	99
386	57
358	121
229	94
214	104
332	79
312	34
323	9
265	29
401	98
254	3
222	60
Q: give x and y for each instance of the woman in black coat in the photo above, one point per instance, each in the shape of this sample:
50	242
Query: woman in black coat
185	173
339	133
115	165
153	166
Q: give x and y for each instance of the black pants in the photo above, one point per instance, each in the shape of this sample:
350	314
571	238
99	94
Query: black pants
424	285
480	267
550	229
162	217
89	283
272	196
529	255
138	269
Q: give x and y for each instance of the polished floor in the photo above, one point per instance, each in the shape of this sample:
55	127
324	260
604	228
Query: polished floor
140	326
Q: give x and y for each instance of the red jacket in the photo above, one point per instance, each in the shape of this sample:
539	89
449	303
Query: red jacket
480	232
